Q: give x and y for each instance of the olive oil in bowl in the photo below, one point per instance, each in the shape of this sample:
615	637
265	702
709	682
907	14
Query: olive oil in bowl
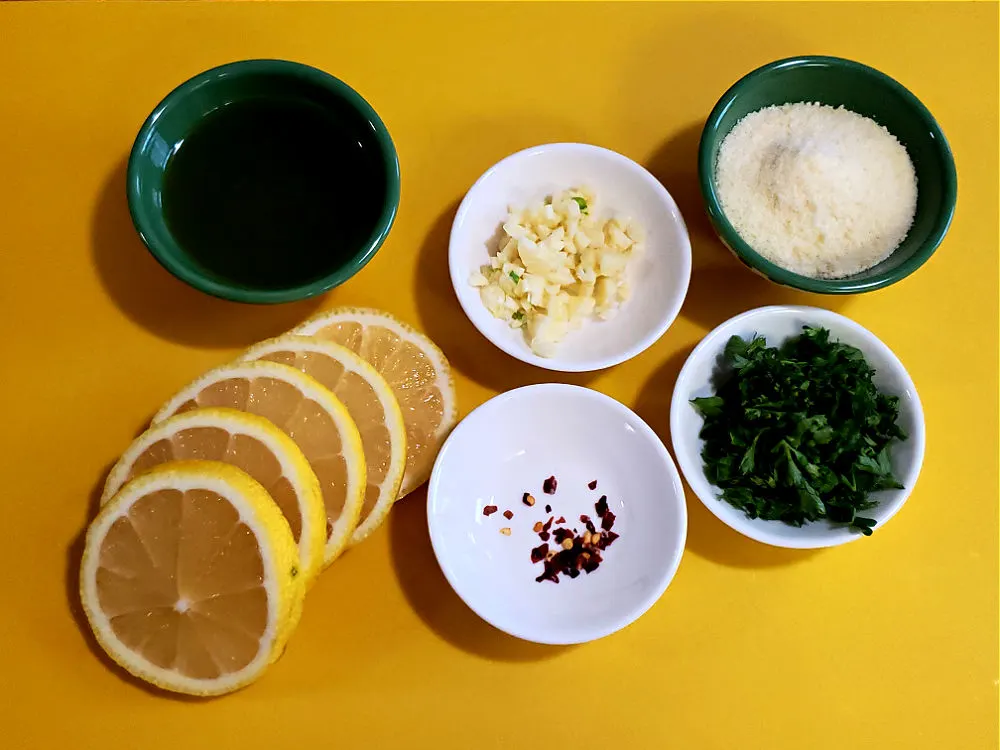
263	181
271	194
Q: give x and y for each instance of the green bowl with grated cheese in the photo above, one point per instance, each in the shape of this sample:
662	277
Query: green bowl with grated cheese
838	82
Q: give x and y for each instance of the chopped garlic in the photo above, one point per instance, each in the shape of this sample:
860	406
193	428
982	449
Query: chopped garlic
558	266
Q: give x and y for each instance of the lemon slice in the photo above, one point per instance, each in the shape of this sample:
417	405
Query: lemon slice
370	403
416	370
310	415
190	578
250	443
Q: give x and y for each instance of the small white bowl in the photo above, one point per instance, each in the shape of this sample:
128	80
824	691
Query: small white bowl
509	446
776	324
660	276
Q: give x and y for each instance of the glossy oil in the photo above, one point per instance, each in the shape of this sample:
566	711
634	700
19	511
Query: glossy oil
270	194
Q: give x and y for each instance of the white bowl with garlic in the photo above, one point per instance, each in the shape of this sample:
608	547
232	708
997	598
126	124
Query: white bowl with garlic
570	257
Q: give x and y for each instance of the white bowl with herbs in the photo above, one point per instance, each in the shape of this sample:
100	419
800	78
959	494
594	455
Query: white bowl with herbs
797	427
570	257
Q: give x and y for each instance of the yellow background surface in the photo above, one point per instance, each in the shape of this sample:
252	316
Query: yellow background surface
890	642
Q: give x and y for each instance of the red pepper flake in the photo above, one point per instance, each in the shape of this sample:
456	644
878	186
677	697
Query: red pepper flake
548	508
489	510
601	506
539	553
560	520
548	524
549	486
551	572
585	520
527	499
608	521
562	534
592	485
606	539
592	563
508	514
543	535
567	558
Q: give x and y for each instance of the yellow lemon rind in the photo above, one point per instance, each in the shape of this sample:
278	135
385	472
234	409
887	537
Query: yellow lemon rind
283	580
446	383
293	463
309	387
389	490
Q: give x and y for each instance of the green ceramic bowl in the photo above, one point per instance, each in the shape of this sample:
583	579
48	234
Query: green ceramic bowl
249	83
835	81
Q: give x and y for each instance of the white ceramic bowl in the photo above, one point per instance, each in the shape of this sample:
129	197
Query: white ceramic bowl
660	277
509	446
776	324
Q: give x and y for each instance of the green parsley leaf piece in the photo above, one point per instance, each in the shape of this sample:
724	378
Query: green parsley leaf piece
746	463
709	406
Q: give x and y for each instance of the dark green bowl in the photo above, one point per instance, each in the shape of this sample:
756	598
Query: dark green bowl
838	82
185	108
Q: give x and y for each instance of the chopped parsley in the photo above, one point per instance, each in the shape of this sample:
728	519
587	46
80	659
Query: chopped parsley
514	277
581	203
800	432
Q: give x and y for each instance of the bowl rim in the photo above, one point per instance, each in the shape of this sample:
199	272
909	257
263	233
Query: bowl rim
523	353
669	571
757	529
166	250
774	272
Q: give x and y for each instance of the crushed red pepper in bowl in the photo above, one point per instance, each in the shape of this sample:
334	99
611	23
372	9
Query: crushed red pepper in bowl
573	552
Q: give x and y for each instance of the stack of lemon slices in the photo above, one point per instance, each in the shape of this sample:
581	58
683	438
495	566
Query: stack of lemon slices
248	483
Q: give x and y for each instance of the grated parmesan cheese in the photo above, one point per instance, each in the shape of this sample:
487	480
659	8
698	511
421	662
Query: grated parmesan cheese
821	191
